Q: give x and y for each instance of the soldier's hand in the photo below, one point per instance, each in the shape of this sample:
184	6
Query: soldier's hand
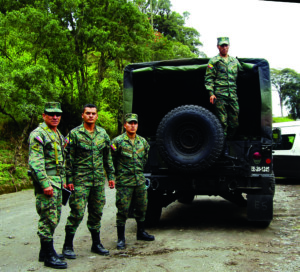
48	191
70	186
212	99
111	184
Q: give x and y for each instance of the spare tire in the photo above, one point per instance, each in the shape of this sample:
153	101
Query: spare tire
190	138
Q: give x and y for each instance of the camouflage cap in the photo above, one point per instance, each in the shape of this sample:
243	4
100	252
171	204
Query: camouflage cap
223	40
131	117
52	107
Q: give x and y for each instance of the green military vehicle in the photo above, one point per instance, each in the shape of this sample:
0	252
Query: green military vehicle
186	156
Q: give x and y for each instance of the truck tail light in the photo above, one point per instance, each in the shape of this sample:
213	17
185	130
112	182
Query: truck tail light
268	161
256	156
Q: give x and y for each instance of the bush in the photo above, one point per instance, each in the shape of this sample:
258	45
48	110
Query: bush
11	178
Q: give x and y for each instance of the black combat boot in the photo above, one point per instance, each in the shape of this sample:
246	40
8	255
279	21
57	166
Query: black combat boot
97	247
51	260
68	250
142	234
42	253
121	237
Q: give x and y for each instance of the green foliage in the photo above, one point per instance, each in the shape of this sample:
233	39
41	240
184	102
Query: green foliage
292	91
9	175
287	84
171	25
75	51
70	51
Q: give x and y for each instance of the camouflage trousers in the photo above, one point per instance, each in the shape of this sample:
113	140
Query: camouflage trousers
49	210
94	198
227	110
127	196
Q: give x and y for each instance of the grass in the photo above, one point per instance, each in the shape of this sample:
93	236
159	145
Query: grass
282	119
13	179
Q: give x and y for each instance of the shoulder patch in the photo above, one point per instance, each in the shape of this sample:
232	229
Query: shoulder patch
210	66
67	141
39	139
35	147
113	147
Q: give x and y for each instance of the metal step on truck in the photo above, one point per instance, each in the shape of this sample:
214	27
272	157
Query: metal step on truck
186	156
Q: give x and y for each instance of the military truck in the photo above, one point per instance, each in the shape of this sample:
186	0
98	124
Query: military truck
186	157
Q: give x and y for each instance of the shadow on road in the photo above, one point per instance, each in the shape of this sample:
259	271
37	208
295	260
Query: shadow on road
288	181
204	213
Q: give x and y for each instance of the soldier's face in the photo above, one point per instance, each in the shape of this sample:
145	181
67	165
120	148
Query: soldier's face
131	127
52	121
223	49
90	115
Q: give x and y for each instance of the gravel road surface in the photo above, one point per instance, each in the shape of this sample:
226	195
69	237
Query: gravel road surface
210	234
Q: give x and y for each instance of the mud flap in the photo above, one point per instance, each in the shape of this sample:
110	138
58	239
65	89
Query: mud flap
260	207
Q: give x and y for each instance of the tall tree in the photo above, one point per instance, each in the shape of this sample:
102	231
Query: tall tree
291	91
171	24
279	79
83	46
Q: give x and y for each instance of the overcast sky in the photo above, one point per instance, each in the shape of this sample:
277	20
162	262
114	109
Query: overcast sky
258	29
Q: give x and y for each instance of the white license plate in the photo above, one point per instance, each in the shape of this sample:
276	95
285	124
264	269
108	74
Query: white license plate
260	169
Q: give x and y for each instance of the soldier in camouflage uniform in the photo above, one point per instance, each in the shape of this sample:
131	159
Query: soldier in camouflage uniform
88	155
220	81
46	164
130	154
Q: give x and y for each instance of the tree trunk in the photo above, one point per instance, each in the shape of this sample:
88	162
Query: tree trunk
281	104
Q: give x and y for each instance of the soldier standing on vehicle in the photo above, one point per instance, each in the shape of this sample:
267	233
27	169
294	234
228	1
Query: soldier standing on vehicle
130	154
220	81
88	155
46	164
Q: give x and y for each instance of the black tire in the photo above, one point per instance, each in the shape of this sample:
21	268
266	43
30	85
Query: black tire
190	138
260	224
186	198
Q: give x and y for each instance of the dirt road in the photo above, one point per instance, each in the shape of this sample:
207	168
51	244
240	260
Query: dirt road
210	234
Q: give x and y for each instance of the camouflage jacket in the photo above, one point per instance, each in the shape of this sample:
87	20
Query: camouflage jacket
129	160
221	75
88	156
42	160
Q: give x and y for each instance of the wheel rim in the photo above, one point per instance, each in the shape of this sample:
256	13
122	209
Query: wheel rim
188	138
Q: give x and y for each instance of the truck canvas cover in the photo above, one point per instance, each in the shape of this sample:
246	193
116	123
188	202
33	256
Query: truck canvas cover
161	86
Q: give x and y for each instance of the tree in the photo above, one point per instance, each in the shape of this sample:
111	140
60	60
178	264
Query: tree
27	78
82	45
291	91
172	25
279	79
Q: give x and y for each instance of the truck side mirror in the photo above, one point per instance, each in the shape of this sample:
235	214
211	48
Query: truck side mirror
276	135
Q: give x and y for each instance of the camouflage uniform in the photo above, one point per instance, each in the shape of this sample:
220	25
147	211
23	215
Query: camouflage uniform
87	157
42	163
220	80
129	161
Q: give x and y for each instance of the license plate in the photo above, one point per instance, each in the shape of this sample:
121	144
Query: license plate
260	169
